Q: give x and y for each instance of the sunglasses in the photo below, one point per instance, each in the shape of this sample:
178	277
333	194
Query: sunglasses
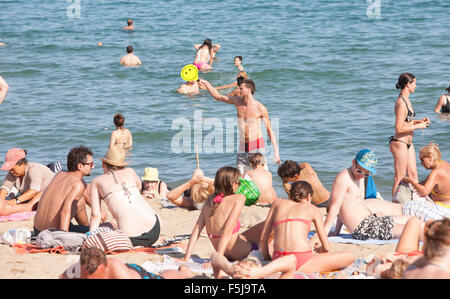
365	174
91	164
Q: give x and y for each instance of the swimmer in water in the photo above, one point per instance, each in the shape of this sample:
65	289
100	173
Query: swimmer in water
205	55
130	25
130	59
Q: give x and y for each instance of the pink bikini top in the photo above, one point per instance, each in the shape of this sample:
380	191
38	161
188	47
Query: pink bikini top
306	221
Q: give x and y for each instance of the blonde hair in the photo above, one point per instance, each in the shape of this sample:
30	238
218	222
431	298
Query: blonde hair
431	150
397	269
243	74
201	191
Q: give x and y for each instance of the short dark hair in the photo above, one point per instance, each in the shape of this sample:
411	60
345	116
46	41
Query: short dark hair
77	155
288	169
129	22
91	258
300	190
119	120
238	57
250	84
130	49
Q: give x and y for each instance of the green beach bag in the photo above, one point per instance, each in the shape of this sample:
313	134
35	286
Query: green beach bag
249	189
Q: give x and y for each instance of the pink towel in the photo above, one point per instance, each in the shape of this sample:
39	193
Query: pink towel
18	216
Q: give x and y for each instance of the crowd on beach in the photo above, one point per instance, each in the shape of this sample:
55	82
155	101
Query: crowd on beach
418	215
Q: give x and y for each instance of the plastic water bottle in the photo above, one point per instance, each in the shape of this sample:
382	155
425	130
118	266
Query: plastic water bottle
16	236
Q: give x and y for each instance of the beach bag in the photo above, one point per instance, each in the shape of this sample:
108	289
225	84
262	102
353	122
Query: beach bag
108	241
51	238
249	189
403	193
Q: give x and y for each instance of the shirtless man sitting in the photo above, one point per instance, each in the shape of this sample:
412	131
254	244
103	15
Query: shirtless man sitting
130	59
249	113
291	171
262	179
347	203
63	199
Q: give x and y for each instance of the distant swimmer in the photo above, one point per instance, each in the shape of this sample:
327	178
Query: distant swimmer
238	63
205	55
130	59
121	136
2	44
4	87
130	25
443	104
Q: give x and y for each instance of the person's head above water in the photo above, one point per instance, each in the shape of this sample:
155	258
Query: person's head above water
130	22
130	49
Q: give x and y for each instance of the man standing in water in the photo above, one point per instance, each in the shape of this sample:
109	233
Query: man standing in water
130	59
249	112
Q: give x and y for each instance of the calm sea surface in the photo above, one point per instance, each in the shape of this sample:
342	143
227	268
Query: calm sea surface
326	71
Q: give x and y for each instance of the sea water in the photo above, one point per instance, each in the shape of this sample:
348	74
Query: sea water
325	70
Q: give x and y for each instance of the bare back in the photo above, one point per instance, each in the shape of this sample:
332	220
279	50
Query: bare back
121	137
63	186
263	180
441	191
202	55
121	192
290	234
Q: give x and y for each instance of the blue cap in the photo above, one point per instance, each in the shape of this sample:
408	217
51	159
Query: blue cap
367	160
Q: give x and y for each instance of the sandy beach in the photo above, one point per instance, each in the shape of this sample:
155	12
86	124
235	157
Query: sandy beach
175	221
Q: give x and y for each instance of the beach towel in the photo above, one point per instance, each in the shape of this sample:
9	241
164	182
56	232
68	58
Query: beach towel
18	216
348	239
31	248
168	263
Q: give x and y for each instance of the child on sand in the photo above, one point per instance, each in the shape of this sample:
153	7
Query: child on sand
290	221
262	178
220	215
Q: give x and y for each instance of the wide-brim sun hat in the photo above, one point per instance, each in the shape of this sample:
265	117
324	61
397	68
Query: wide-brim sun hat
115	156
150	174
367	160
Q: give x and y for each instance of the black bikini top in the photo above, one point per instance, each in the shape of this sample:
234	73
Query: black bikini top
446	107
410	115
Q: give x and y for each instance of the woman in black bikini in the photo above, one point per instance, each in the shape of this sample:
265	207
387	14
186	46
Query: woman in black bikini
400	144
443	104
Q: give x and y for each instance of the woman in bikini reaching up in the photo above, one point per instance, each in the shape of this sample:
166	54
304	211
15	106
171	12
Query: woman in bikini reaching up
220	215
400	144
205	55
290	222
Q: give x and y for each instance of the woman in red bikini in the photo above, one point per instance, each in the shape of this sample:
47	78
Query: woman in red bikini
220	215
290	221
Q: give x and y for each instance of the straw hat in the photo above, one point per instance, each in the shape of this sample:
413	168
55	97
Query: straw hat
150	174
115	157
